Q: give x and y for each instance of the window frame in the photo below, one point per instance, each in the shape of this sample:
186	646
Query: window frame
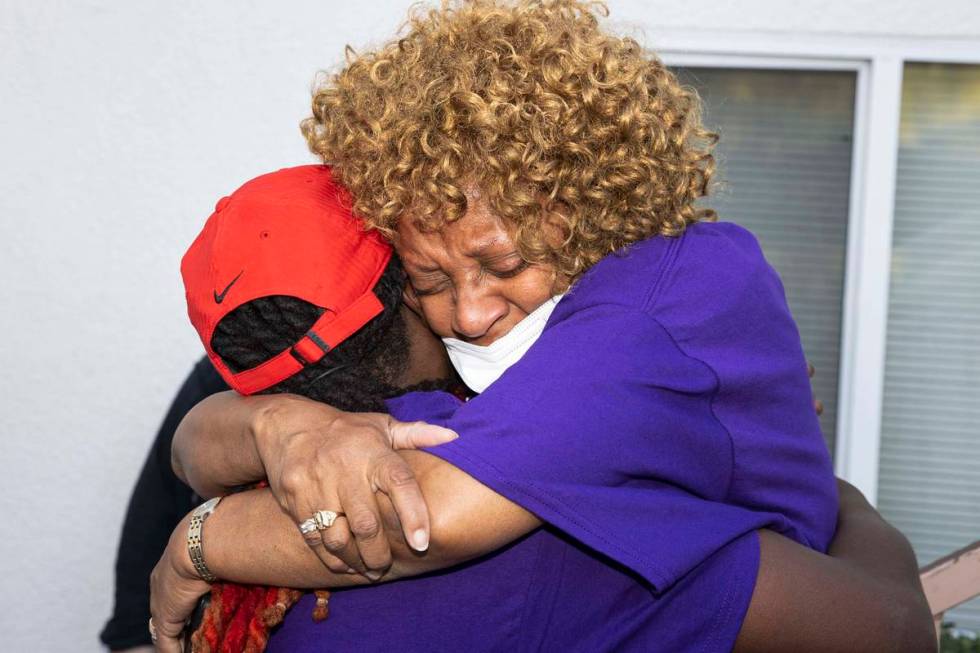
879	63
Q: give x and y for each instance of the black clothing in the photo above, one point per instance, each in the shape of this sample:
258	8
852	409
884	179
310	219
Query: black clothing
159	501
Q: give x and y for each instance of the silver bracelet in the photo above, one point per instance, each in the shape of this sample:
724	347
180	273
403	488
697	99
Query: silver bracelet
194	545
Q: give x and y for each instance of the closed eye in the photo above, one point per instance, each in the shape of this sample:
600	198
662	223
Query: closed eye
513	271
429	284
434	290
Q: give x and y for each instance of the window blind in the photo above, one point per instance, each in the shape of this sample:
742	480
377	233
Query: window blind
929	476
784	167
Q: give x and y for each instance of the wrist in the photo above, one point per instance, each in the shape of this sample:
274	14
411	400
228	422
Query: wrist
278	417
180	556
195	538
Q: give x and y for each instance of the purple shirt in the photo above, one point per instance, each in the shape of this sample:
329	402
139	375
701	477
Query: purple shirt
661	418
545	592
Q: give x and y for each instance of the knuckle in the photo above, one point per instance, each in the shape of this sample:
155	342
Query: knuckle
335	540
394	473
377	559
399	475
365	526
313	540
292	479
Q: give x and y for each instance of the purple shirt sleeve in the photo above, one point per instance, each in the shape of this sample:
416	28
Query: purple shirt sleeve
605	430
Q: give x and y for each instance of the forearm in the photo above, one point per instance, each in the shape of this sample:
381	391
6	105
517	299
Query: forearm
871	543
214	448
864	596
250	539
883	554
468	519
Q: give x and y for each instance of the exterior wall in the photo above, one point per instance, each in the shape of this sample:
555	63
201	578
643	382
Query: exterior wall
121	125
952	18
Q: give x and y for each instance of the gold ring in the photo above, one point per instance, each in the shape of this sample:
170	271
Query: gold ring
324	519
308	526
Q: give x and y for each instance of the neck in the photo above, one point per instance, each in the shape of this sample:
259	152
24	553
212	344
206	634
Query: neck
427	359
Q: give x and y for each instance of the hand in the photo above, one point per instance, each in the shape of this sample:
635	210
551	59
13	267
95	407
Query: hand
319	458
175	589
817	404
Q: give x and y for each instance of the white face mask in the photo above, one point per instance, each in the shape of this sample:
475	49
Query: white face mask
480	366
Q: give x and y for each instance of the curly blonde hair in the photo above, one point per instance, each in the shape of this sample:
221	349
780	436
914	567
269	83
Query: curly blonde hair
530	102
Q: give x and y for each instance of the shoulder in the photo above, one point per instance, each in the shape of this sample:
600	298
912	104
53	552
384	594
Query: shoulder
718	269
206	378
201	382
637	275
703	242
623	278
713	247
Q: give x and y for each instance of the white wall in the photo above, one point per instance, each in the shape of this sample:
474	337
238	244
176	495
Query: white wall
945	18
120	126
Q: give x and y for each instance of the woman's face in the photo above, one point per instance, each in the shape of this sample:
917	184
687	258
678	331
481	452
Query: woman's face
468	280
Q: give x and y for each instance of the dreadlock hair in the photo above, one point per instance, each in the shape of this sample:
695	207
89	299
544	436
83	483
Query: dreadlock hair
357	375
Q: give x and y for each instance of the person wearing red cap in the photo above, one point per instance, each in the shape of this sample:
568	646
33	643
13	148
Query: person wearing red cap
290	294
284	248
256	246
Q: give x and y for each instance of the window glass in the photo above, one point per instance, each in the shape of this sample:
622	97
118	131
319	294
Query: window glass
929	478
784	168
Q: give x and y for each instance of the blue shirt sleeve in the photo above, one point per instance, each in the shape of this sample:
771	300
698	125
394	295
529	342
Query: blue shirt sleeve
605	430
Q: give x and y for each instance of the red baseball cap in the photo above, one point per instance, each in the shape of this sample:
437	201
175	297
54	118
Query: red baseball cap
284	233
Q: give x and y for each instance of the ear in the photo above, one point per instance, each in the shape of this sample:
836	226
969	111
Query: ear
411	301
555	226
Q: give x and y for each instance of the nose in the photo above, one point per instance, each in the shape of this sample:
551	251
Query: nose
476	311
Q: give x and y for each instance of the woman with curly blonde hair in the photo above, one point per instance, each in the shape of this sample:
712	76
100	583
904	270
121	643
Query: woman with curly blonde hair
641	468
535	106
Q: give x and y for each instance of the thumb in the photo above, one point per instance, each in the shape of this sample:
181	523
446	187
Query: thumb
415	435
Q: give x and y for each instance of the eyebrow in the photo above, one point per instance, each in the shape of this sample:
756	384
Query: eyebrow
478	251
481	249
423	267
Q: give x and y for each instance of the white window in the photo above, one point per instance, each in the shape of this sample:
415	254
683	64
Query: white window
784	172
900	282
929	477
787	164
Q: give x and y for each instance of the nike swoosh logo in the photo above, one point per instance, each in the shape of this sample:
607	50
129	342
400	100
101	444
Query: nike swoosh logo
218	298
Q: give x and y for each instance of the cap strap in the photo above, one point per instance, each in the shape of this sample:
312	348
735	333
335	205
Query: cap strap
281	366
325	334
332	329
310	348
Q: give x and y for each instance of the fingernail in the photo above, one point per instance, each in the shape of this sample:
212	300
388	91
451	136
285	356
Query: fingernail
420	540
373	575
351	570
